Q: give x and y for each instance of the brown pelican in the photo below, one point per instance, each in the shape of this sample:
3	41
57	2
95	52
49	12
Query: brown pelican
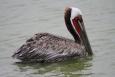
45	47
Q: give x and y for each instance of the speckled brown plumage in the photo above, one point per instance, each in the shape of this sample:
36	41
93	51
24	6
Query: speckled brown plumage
45	47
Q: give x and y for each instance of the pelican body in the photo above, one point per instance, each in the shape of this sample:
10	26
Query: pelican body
46	47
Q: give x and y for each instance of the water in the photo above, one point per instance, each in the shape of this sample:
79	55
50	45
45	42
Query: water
19	20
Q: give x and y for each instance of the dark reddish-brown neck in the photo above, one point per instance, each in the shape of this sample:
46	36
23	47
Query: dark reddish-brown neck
69	25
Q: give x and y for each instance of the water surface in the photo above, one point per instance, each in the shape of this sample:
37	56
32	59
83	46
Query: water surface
19	20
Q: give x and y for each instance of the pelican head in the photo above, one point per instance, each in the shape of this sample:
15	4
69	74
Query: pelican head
75	25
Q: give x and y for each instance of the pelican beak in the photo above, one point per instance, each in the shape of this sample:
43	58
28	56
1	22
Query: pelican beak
84	38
